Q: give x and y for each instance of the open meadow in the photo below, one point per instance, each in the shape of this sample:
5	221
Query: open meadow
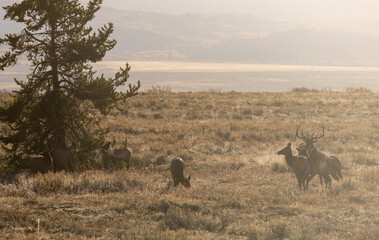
240	187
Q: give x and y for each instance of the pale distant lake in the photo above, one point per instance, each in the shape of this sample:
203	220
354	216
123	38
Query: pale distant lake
194	76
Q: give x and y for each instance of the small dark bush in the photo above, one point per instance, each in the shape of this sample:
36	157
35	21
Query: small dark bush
361	159
161	160
141	115
157	116
161	206
304	90
186	157
279	168
247	112
141	162
258	112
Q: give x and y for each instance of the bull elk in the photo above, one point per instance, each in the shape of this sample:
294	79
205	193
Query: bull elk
336	163
320	163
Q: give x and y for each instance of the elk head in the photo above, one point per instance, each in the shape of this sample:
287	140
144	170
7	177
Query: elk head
186	182
309	139
106	146
285	151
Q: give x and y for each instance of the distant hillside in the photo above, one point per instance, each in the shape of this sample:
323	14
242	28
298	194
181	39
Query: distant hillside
150	35
232	37
229	37
298	45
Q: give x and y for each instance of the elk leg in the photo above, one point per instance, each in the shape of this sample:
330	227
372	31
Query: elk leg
128	164
298	180
307	179
310	177
335	176
176	182
321	179
303	183
328	181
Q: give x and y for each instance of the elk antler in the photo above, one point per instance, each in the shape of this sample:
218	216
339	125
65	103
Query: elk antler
302	135
125	142
314	137
309	140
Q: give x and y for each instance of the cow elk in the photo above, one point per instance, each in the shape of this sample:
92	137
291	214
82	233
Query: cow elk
41	163
116	155
56	160
299	165
62	160
176	169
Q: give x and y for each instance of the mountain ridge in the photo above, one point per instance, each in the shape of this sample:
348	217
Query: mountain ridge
229	37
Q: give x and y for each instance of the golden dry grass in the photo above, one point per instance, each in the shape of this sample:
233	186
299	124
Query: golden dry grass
240	188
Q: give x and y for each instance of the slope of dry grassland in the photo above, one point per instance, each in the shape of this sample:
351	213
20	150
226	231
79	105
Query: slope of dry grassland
240	188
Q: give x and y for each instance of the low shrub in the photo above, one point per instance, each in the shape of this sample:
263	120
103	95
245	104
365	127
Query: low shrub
361	159
142	162
304	90
279	167
177	218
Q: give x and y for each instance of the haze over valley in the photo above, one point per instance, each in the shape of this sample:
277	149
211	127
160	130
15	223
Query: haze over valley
200	35
236	37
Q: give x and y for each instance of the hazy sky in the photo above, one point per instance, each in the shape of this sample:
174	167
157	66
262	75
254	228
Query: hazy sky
292	10
299	11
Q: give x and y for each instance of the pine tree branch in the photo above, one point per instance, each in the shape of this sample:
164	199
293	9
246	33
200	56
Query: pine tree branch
34	38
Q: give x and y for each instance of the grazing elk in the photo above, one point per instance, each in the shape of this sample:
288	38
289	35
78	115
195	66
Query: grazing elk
176	169
320	163
41	163
117	155
299	165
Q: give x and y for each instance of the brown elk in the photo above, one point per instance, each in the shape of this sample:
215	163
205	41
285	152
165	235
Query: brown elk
62	160
176	169
116	155
320	163
41	163
55	159
299	164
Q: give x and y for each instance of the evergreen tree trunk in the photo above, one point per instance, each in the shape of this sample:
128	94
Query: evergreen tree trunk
58	133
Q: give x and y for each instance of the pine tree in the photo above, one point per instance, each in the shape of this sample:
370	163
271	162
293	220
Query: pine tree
61	102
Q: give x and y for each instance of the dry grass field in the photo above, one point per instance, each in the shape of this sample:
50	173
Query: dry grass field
241	189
